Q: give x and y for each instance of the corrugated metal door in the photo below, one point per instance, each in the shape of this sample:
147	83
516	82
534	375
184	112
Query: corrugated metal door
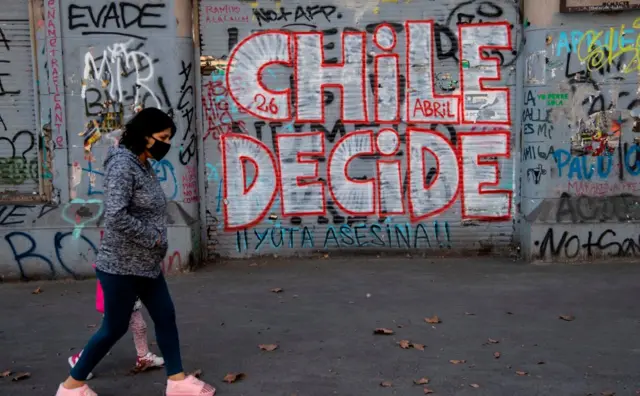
18	142
370	205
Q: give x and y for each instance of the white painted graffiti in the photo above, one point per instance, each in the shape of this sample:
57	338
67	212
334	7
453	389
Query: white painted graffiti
114	61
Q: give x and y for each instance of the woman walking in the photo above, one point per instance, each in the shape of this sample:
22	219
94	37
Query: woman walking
128	261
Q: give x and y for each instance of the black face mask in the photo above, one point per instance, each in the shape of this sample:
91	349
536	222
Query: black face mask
159	149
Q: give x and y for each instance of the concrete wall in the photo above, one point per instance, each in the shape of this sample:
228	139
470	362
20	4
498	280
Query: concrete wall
368	190
581	135
95	62
549	160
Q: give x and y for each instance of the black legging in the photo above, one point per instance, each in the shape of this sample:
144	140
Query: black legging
120	293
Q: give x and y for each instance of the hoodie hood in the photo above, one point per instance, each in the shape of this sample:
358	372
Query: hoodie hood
120	152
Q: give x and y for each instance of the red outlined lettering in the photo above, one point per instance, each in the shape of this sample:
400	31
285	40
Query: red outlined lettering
341	185
244	59
315	188
390	112
425	91
468	74
389	176
243	160
388	142
262	105
384	37
427	108
475	145
426	200
307	74
246	206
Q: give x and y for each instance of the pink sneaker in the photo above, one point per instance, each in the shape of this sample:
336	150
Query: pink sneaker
83	391
73	360
190	386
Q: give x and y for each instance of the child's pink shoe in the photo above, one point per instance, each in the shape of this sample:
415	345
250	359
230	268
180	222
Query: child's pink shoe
190	386
74	359
82	391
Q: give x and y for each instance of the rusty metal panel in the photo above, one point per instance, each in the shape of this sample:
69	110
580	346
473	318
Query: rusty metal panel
19	160
375	208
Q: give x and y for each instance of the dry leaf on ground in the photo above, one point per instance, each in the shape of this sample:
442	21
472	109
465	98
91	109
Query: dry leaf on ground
567	318
233	377
522	373
268	347
608	393
404	344
383	331
427	391
21	376
37	291
5	374
433	320
421	381
454	361
419	347
277	290
497	355
197	373
492	341
474	385
386	384
470	314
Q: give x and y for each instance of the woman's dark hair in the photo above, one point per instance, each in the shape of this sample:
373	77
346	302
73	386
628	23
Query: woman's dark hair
147	122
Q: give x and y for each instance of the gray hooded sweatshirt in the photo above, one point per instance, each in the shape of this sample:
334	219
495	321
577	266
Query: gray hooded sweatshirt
135	220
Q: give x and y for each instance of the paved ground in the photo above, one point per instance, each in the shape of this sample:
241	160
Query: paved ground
323	323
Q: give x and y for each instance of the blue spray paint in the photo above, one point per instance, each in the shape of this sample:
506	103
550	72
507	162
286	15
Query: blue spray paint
89	169
580	169
30	252
78	226
633	170
213	173
233	108
164	169
307	235
58	245
213	177
387	234
166	173
623	39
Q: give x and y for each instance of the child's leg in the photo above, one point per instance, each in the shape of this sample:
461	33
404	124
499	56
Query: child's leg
139	330
138	327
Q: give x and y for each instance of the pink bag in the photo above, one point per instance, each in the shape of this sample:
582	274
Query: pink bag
99	296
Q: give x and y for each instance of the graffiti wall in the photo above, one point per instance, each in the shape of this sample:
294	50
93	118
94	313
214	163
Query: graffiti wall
581	137
98	62
20	175
359	124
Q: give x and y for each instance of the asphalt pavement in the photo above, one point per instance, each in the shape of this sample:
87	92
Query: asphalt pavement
502	328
